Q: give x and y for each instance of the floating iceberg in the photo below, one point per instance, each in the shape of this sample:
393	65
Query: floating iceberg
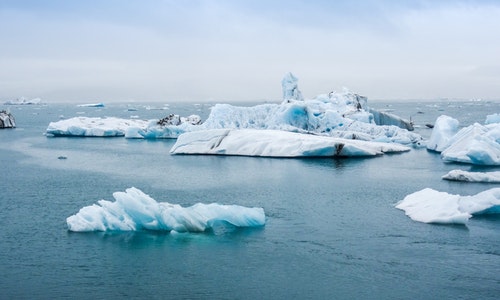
431	206
444	129
85	126
341	115
7	119
100	104
460	175
169	127
133	210
475	144
274	143
290	88
492	119
24	101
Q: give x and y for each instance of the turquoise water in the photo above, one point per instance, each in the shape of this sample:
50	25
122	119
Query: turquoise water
332	230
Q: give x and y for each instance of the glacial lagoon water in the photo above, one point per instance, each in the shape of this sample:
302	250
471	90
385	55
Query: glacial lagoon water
332	231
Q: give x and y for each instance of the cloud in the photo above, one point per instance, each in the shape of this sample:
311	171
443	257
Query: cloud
239	50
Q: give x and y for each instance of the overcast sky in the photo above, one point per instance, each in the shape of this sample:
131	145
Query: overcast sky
161	50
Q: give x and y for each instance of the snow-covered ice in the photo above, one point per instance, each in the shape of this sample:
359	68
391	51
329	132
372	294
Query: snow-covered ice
431	206
134	210
461	175
85	126
475	144
274	143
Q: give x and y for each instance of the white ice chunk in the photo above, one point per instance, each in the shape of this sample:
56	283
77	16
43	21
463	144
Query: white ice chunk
102	127
492	119
290	88
134	210
460	175
275	143
474	144
444	129
431	206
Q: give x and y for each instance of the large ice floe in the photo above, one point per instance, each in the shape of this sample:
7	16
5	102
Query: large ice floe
275	143
475	144
133	210
460	175
90	127
341	115
431	206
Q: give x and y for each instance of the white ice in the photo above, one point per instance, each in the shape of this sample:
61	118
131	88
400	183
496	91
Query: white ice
343	115
24	101
492	119
134	210
85	126
475	144
431	206
460	175
444	129
274	143
100	104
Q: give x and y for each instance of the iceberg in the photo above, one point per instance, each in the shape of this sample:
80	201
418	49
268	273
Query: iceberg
492	119
290	88
339	115
7	119
460	175
275	143
444	129
24	101
100	104
169	127
475	144
95	127
133	210
431	206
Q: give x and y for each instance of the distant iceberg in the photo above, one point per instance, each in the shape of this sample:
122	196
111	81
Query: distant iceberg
133	210
431	206
24	101
475	144
460	175
100	104
274	143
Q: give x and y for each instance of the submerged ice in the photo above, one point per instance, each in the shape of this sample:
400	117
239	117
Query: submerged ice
134	210
431	206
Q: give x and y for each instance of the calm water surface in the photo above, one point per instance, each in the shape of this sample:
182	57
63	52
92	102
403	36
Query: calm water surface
332	231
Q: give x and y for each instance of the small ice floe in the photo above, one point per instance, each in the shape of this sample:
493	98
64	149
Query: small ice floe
133	210
460	175
431	206
475	144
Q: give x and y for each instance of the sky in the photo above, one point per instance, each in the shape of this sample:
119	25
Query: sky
236	50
